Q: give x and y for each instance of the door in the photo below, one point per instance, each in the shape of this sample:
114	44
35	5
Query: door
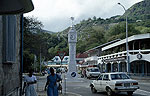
104	82
97	83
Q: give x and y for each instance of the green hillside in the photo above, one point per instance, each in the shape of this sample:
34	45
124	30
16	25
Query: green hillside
91	33
139	11
96	31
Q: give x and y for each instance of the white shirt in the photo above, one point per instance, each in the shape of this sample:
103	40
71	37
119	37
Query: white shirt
30	79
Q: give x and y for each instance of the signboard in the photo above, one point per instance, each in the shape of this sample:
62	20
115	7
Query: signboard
139	56
73	74
61	54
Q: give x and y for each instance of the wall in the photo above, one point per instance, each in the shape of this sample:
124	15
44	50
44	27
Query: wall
9	73
1	69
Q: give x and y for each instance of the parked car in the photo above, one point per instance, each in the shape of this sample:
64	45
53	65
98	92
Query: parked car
92	72
63	70
113	83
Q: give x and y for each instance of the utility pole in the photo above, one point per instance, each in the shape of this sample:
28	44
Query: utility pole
127	57
40	59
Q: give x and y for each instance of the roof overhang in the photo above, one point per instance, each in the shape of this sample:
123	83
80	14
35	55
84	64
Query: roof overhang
8	7
132	38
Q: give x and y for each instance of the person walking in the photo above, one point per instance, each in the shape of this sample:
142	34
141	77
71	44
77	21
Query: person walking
29	82
52	80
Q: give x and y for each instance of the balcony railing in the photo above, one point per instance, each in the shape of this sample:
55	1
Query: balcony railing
121	55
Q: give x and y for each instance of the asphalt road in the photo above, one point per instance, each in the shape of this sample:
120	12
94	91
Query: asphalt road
81	87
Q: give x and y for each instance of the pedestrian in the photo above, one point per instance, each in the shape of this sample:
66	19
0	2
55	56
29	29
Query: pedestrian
29	81
84	73
52	79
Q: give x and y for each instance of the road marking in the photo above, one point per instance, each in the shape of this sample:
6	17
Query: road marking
142	92
77	88
74	93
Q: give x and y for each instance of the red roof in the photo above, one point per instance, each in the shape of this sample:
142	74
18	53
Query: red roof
84	55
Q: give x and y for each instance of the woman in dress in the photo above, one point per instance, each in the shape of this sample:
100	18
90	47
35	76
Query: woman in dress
52	80
29	82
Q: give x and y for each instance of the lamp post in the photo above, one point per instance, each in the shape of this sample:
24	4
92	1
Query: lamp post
128	66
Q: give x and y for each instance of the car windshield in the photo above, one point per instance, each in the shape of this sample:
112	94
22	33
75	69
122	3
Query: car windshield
119	76
94	70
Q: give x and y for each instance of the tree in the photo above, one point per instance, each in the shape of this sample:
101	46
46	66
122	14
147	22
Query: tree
119	32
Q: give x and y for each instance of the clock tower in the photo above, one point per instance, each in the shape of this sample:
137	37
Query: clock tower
72	40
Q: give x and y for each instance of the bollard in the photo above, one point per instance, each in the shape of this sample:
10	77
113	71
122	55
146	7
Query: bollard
37	85
64	85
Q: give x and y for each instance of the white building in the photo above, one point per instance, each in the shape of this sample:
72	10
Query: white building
56	62
112	57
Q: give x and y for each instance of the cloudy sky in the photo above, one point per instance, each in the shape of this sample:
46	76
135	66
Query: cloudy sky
55	14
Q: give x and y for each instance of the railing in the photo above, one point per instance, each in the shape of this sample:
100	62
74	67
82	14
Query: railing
124	53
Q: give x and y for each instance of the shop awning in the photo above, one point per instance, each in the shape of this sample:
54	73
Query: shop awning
8	7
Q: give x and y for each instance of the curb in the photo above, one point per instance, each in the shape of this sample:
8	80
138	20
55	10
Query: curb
44	93
140	78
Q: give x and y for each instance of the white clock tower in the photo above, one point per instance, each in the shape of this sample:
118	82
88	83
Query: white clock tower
72	40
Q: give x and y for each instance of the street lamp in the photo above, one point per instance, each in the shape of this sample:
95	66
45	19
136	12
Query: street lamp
128	66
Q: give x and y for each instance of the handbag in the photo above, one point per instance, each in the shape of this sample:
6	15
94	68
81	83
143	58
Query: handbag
59	86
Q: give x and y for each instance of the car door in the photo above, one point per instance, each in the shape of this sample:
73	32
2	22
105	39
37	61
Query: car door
104	82
97	83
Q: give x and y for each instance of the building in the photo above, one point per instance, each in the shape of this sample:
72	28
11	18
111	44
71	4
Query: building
57	62
94	53
10	45
112	57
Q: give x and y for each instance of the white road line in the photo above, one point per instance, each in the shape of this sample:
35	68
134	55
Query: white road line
74	93
142	92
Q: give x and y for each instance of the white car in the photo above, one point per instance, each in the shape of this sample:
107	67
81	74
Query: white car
114	83
63	70
92	72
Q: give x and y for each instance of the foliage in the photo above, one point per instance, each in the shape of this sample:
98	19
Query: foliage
91	33
139	11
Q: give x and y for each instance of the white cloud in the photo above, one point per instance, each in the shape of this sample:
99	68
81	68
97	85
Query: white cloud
55	14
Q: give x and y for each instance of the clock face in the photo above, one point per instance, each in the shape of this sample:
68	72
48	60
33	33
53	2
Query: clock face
72	37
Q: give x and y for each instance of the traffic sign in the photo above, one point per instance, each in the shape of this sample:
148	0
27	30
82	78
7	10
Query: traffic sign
61	54
73	74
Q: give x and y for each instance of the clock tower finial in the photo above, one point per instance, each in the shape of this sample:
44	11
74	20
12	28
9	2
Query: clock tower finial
72	19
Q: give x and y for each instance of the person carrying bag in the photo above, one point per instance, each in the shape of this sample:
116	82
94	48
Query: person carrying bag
52	79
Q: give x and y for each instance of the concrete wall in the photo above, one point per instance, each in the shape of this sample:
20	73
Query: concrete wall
9	73
1	69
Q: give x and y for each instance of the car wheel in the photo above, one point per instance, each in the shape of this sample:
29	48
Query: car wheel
93	89
130	93
109	91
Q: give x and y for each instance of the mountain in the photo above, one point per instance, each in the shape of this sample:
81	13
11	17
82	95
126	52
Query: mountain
50	32
95	31
92	32
139	11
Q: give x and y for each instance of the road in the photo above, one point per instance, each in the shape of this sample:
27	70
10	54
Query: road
82	88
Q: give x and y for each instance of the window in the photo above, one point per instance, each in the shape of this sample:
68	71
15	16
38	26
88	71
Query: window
106	77
119	76
100	77
9	39
94	70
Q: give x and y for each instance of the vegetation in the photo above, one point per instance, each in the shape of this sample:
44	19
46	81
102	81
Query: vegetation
91	33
